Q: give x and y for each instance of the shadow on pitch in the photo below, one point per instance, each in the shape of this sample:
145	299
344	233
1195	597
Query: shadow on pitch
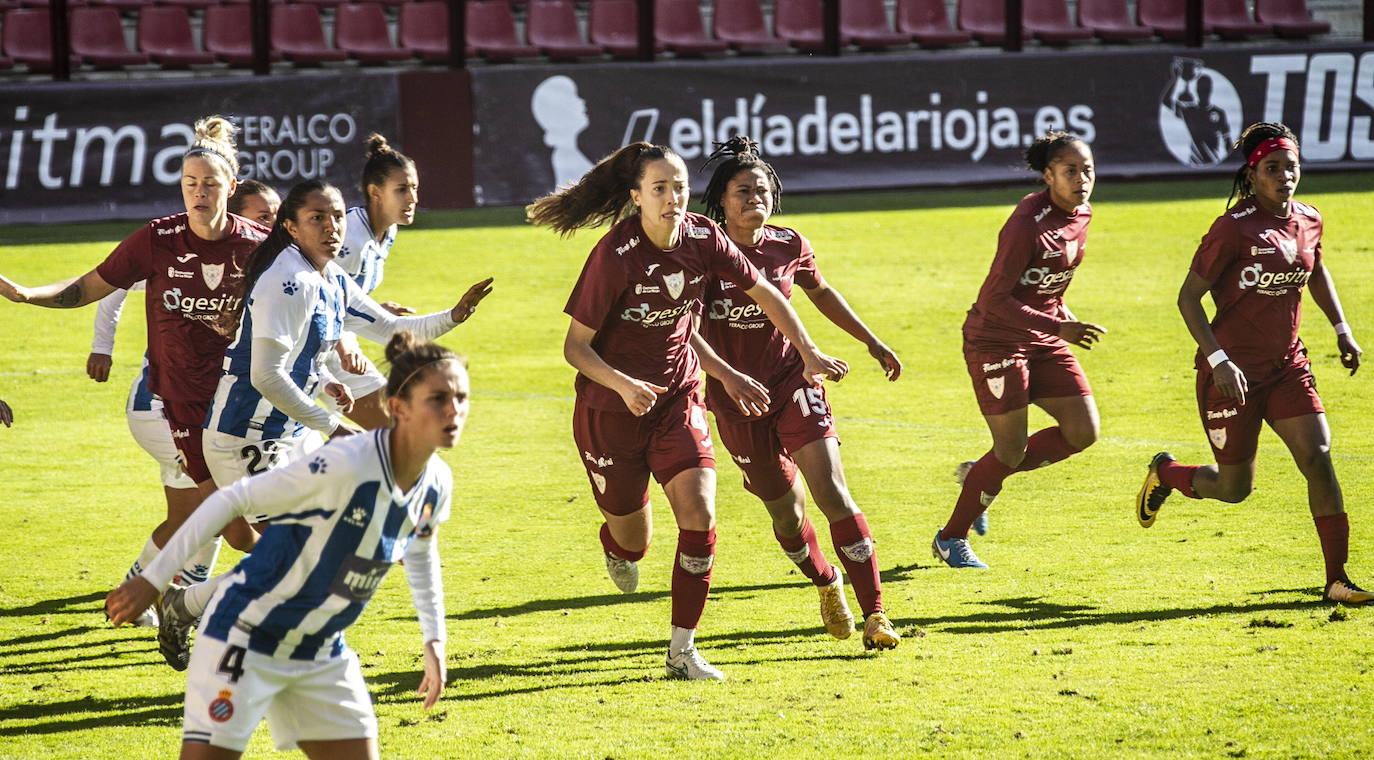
88	712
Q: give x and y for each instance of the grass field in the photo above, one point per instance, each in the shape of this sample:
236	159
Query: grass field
1089	637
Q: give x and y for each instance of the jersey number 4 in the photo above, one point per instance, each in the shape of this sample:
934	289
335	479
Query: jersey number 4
232	663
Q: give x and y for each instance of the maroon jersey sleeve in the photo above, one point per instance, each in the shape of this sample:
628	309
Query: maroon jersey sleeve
1217	251
729	264
131	261
808	277
1015	251
598	288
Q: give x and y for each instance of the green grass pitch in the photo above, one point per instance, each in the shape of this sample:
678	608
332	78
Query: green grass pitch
1089	637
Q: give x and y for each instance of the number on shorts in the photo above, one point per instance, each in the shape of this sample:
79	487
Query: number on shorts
232	663
810	400
255	456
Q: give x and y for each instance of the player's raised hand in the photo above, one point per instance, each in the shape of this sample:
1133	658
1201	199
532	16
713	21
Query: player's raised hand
892	366
98	367
129	600
639	396
436	674
750	396
1230	381
1350	352
13	290
468	303
396	308
823	366
1081	334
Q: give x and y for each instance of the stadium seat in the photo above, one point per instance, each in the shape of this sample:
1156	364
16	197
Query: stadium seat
1048	21
614	25
423	30
1110	21
741	24
1289	18
27	38
1166	18
983	19
551	26
124	6
97	35
360	29
321	3
864	23
196	5
491	31
298	33
799	22
927	22
228	34
678	26
164	35
1231	20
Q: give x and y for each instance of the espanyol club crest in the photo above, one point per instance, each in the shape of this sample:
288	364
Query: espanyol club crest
674	282
997	385
222	709
213	274
600	481
1070	251
1217	436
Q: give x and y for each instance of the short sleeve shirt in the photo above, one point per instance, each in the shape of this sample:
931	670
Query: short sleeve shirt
190	283
641	301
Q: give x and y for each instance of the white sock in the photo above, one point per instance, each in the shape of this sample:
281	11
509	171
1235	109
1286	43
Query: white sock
201	564
197	597
682	639
148	554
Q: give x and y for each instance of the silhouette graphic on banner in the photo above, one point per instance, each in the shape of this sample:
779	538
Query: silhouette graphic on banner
562	114
1199	114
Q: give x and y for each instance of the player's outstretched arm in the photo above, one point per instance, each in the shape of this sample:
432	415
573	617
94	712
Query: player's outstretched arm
781	314
427	591
835	308
1323	290
65	294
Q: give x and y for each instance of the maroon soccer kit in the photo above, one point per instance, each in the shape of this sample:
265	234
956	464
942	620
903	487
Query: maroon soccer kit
1257	264
191	282
1011	342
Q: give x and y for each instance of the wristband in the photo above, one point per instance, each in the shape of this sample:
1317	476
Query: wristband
1217	357
1342	328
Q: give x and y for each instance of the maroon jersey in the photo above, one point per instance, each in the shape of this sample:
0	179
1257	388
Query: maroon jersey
737	328
1038	252
641	299
190	282
1258	264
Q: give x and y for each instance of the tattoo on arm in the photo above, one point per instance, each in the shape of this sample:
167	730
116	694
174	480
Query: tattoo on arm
69	297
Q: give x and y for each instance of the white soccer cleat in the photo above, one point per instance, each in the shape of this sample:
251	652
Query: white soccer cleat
148	619
835	614
174	629
623	572
690	665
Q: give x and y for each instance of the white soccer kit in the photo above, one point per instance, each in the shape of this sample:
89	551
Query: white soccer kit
363	257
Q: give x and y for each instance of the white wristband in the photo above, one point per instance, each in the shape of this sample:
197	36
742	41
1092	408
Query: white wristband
1342	328
1217	357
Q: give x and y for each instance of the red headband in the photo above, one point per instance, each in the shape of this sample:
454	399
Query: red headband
1269	146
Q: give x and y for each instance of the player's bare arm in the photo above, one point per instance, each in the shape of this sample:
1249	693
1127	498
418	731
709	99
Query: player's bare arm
781	314
750	396
467	305
66	294
835	308
639	396
1323	290
1227	376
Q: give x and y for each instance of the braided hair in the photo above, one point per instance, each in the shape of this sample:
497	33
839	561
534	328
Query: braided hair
739	153
602	195
1250	138
1040	153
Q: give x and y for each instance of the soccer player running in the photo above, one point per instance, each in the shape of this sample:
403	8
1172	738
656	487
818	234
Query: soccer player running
790	426
272	642
1251	365
639	409
1017	337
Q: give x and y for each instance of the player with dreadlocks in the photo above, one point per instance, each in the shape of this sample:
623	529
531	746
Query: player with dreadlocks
792	428
1251	365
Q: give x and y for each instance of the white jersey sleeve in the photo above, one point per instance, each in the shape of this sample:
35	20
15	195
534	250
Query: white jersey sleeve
281	310
269	374
366	318
107	321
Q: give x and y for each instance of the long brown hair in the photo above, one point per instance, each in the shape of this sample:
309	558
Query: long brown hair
603	193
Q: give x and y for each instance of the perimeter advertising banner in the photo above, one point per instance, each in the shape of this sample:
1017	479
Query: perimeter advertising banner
74	152
921	119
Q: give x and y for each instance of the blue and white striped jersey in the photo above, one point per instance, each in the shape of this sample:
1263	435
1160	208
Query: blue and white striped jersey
362	256
143	403
338	523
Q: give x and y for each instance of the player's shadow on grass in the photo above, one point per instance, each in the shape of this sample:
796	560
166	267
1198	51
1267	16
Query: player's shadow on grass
72	605
88	712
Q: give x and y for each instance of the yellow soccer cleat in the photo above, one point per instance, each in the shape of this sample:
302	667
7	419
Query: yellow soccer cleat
879	633
1153	493
835	614
1344	591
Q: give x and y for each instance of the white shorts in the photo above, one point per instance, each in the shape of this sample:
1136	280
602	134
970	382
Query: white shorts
359	385
229	690
231	458
150	431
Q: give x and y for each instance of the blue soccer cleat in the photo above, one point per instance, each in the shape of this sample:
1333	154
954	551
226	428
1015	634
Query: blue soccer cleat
955	552
980	523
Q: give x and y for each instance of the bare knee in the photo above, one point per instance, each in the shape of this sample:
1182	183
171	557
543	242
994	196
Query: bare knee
1010	453
1315	464
1234	490
1080	436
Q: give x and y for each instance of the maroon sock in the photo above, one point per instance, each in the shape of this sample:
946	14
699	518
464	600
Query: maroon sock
854	545
1044	448
804	550
696	554
1334	532
1178	477
611	547
981	486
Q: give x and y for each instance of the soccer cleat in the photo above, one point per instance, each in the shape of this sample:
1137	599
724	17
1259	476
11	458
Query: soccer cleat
879	633
955	552
980	523
623	572
1342	590
690	665
835	614
147	620
1153	493
174	628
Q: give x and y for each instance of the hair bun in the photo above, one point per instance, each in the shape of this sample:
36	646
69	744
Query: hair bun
402	342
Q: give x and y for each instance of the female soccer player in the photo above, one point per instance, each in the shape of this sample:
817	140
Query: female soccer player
272	641
192	262
1017	336
257	201
1251	365
797	431
639	407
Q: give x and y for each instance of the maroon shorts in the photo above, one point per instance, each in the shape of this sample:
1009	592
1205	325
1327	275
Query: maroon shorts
620	450
1007	378
762	446
187	422
1233	430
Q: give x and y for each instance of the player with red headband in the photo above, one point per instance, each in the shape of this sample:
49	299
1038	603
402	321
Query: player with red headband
1251	365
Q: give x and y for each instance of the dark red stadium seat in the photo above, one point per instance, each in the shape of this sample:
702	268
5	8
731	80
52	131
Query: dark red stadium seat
228	34
97	35
1289	18
193	5
551	25
423	30
983	19
1110	21
164	35
360	29
741	24
927	22
27	37
119	5
864	23
1048	21
1231	20
321	3
614	25
1166	18
298	33
678	26
491	31
799	22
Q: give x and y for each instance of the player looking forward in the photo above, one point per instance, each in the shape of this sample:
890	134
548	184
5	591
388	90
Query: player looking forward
257	201
1251	365
771	441
639	408
1017	336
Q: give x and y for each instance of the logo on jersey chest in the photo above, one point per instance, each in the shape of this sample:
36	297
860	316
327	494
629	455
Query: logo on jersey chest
356	516
1285	245
674	283
358	578
213	274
